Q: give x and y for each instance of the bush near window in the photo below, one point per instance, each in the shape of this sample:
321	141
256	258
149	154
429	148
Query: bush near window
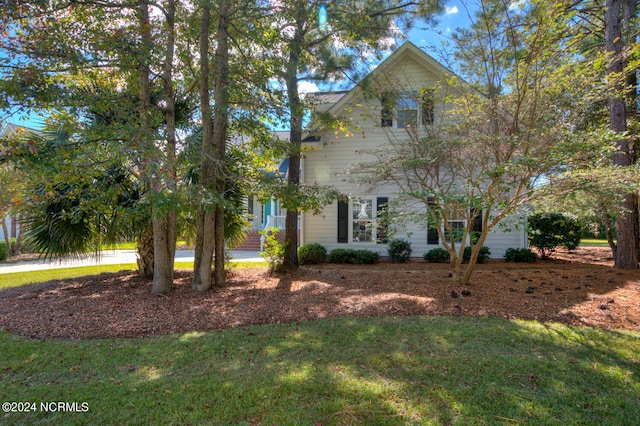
399	250
437	255
482	255
548	231
520	255
4	253
353	256
341	255
310	254
365	257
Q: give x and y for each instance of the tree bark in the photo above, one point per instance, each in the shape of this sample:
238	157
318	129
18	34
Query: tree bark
164	226
5	230
17	247
609	222
626	223
145	253
205	228
221	101
629	11
295	140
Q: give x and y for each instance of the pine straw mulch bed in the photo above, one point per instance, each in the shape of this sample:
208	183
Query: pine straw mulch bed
580	288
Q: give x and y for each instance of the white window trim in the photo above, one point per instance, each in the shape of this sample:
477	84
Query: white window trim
373	218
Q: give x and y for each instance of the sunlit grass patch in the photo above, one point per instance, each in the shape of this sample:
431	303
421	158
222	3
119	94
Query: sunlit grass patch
411	370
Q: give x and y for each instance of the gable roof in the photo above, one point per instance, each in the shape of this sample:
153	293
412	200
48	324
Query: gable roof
13	129
322	101
408	49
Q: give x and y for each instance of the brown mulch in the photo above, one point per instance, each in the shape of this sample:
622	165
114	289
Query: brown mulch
575	288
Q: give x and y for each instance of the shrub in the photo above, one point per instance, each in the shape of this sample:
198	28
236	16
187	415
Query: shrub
273	250
341	255
311	253
483	254
547	231
399	251
365	257
520	255
437	255
4	253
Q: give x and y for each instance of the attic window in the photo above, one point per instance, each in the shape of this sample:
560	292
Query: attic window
407	110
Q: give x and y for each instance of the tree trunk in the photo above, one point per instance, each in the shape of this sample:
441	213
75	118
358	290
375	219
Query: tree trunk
163	255
17	247
626	224
205	228
163	260
221	101
629	11
609	223
165	225
145	253
456	274
475	250
295	139
5	230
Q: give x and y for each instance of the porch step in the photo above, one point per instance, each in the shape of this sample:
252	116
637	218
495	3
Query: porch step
251	242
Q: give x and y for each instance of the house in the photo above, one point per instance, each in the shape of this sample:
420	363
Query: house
264	214
355	222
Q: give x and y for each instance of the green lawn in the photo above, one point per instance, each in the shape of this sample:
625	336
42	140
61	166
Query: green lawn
15	279
593	243
392	371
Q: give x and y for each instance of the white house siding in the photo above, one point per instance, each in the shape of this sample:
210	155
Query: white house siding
326	165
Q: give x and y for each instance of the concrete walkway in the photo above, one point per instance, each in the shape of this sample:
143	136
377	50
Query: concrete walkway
109	257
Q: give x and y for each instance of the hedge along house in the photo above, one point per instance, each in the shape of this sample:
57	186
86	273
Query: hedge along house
401	94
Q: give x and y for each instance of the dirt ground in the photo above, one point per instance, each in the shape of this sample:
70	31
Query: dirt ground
576	288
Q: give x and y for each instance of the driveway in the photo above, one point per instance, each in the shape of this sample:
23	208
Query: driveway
109	257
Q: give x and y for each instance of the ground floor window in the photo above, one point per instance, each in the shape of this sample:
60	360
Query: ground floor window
455	230
363	220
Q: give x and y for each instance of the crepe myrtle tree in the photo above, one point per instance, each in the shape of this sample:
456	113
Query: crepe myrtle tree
463	184
466	155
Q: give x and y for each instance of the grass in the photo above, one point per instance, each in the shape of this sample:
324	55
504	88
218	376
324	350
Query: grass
131	245
15	279
593	243
392	371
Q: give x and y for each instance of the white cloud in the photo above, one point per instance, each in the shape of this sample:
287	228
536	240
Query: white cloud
306	87
451	10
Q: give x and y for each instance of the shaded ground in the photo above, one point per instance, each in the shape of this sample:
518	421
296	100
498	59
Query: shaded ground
578	288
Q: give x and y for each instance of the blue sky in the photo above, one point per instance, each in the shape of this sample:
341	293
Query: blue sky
432	39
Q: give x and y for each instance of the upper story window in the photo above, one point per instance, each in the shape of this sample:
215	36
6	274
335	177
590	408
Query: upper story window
407	108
